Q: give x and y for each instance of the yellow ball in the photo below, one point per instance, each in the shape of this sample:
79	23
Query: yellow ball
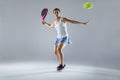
88	5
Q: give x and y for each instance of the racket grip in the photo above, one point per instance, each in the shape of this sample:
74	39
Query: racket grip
43	22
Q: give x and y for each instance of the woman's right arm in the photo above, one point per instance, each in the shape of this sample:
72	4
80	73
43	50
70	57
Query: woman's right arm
48	25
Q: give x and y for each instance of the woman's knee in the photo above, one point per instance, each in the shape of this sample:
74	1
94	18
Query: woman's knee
55	50
59	49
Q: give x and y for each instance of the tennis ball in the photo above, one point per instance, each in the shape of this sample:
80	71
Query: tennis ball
88	5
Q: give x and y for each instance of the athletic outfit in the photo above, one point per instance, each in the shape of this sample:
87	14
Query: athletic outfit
62	34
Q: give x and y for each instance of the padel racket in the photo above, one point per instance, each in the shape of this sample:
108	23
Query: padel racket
44	13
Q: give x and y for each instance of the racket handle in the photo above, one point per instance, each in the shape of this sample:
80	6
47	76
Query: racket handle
43	22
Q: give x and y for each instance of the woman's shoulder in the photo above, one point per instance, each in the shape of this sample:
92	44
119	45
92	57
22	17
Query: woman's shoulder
63	19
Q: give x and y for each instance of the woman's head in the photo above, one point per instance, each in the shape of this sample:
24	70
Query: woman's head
56	12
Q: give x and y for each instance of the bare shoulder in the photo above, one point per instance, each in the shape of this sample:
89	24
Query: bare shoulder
63	19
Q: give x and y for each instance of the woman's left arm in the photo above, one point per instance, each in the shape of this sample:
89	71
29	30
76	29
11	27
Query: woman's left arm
73	21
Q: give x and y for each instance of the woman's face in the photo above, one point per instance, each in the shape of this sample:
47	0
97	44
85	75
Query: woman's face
56	13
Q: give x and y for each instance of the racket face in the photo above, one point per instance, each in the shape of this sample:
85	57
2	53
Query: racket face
44	13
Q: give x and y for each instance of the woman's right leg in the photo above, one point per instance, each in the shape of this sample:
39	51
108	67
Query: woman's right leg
56	52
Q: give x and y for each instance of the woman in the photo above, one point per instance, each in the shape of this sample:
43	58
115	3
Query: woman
62	34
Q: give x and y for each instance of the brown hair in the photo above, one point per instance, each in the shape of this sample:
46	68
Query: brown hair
56	9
